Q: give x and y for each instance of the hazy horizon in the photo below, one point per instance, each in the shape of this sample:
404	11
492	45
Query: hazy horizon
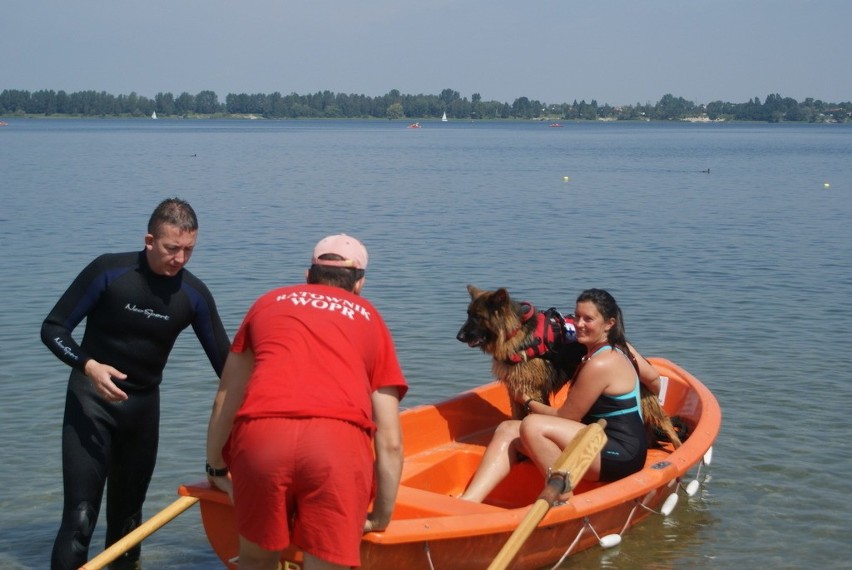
615	52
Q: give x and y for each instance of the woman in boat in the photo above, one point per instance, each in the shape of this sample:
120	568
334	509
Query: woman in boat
605	385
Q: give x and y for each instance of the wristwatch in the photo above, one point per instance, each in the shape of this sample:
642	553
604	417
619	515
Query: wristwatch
216	472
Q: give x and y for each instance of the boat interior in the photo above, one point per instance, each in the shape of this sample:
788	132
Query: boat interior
444	446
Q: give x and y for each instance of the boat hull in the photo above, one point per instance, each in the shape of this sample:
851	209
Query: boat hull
443	446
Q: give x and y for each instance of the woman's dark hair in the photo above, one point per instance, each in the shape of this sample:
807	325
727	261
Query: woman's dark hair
343	277
609	309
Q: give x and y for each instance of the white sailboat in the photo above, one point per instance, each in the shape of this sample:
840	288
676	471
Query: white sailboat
153	114
444	117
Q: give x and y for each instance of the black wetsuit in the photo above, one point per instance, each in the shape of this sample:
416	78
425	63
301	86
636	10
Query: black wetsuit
133	317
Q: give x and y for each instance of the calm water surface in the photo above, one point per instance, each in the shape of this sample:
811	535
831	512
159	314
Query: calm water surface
741	275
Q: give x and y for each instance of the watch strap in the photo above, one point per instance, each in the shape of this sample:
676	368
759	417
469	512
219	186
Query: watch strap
216	472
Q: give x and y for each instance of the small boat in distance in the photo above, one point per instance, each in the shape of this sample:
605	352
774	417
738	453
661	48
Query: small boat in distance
414	126
153	114
444	444
555	125
444	117
4	124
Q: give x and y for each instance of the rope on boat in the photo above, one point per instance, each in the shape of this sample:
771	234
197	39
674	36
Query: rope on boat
586	524
669	504
428	555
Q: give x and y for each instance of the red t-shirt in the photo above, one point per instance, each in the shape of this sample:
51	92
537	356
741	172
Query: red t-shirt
320	351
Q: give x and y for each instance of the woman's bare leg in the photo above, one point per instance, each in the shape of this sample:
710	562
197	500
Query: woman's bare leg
500	455
545	437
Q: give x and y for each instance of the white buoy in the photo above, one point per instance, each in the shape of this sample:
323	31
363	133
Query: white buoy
708	457
692	488
669	504
610	540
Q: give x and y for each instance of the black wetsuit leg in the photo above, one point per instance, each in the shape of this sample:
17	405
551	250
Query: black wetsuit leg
102	442
134	455
86	441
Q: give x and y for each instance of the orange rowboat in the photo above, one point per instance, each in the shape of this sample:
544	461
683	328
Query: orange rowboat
431	529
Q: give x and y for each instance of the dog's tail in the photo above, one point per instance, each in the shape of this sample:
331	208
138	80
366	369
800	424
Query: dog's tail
657	421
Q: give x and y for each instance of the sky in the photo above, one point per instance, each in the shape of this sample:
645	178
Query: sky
620	52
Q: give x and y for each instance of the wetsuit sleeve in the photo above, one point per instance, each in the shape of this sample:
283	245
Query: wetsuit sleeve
72	308
209	329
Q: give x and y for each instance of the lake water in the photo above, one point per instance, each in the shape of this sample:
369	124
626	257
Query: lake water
740	274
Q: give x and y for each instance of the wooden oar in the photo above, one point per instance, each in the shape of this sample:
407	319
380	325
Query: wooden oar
139	534
568	470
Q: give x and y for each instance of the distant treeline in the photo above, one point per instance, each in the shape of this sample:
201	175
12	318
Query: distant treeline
395	105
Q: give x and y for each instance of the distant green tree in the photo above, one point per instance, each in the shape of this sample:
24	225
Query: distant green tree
165	103
275	105
234	103
62	102
332	111
415	106
476	106
447	96
671	107
42	103
522	108
206	103
395	111
589	112
459	108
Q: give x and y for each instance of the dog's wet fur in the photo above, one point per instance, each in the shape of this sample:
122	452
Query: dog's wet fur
496	326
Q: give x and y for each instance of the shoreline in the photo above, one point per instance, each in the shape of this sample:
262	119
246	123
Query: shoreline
238	117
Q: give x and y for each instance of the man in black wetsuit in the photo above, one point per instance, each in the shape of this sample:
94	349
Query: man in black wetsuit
135	305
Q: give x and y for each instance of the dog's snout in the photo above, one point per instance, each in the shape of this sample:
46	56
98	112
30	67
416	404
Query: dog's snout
462	335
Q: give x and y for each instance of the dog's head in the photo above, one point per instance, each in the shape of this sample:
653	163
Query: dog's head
488	314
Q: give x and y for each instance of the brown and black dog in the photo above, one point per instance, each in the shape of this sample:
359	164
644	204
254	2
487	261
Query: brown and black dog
531	355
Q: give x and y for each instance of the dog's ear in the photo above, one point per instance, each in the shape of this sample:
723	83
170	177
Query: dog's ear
500	297
474	292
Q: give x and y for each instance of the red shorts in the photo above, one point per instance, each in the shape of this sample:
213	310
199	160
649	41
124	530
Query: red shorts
313	473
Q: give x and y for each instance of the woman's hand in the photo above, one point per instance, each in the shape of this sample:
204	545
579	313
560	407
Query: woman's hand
521	397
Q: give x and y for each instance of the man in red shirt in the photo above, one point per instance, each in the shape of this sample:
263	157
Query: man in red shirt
306	419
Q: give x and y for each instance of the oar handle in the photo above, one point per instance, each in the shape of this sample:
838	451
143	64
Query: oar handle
571	466
139	534
520	535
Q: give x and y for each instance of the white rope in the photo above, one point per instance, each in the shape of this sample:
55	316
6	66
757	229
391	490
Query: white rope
573	544
428	555
588	524
629	517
